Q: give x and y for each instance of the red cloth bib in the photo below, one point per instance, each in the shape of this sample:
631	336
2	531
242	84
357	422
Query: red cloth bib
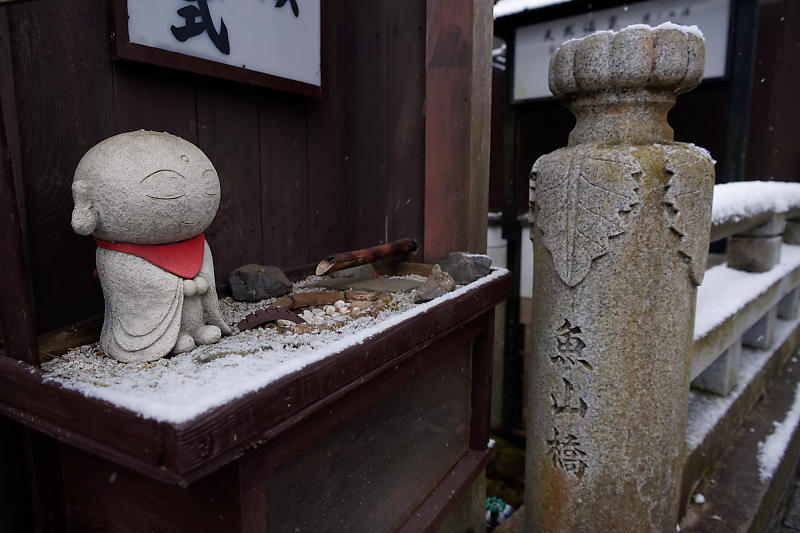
183	258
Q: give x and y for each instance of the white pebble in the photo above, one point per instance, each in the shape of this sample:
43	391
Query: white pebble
699	499
317	312
339	304
285	323
330	310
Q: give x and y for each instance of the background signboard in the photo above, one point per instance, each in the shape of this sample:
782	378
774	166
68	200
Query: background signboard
264	42
534	44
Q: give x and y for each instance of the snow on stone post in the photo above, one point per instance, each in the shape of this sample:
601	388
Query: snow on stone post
621	221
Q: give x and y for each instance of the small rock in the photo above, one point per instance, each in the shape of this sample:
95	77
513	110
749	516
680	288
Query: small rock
330	310
466	268
699	499
437	284
361	271
285	323
339	304
252	283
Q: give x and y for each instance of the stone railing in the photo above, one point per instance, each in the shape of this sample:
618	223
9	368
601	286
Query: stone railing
735	308
747	319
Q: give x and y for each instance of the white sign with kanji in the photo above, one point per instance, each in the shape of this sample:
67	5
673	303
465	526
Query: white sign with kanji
280	38
534	44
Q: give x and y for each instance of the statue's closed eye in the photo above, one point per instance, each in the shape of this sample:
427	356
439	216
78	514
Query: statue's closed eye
164	184
212	182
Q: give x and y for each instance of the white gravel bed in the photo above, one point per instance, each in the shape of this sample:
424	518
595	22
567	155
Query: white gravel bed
180	387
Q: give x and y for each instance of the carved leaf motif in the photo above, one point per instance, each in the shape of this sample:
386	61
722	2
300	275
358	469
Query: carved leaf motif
578	195
688	196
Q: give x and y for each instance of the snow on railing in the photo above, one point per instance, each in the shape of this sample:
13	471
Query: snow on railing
746	313
743	205
740	301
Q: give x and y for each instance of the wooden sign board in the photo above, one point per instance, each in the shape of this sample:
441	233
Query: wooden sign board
534	44
272	43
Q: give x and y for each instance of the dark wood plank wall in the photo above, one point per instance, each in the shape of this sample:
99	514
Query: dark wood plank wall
301	178
774	147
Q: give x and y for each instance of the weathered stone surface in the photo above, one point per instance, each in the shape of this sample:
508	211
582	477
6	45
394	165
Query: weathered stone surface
437	284
251	283
466	268
621	223
789	305
761	334
637	65
714	341
774	226
148	188
754	254
721	376
361	271
689	197
791	233
577	215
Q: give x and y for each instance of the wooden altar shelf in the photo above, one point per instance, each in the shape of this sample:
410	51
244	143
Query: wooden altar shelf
384	435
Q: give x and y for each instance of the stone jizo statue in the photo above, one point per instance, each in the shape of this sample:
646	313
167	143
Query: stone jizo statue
146	197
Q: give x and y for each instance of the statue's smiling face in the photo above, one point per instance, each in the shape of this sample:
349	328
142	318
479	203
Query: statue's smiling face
145	187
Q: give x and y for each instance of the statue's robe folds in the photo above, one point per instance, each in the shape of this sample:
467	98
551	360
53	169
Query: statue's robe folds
144	305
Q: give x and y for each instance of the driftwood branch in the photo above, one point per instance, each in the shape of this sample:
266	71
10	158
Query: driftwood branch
280	308
262	316
355	258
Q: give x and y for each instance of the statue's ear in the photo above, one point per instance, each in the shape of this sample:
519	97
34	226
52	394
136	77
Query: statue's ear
84	219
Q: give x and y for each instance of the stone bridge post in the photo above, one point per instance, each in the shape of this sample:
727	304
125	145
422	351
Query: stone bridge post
621	220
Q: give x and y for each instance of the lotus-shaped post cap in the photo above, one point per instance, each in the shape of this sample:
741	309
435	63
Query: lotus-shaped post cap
640	65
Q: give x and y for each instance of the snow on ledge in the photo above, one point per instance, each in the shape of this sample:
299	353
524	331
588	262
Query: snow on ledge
707	409
772	448
725	290
744	199
179	389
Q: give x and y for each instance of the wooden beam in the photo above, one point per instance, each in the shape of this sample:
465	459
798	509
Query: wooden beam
457	116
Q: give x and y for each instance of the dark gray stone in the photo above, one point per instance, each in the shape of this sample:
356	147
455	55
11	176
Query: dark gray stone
251	283
466	268
437	284
361	271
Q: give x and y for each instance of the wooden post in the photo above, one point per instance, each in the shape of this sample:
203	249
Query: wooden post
16	311
457	115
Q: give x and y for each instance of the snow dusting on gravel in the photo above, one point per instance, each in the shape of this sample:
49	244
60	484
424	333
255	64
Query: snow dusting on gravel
181	387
